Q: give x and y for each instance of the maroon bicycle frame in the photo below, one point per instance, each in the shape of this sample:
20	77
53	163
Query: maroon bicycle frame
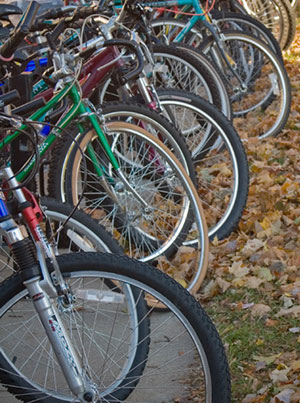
93	72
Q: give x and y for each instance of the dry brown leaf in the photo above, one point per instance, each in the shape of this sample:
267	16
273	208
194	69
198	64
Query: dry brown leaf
295	365
253	282
260	310
252	246
279	375
222	284
238	269
295	311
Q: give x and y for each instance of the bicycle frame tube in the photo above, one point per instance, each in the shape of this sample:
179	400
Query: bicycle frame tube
93	72
192	21
78	108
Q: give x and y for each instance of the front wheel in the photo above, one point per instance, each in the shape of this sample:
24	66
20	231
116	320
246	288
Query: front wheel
173	214
184	346
218	155
260	87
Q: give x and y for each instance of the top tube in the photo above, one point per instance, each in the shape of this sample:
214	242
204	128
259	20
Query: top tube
170	3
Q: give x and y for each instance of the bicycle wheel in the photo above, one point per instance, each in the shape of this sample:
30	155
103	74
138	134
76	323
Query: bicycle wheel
241	22
277	15
260	87
166	29
176	68
80	233
103	312
184	346
173	213
219	158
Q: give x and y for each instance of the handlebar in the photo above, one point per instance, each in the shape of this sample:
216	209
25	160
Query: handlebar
140	57
9	47
9	97
119	42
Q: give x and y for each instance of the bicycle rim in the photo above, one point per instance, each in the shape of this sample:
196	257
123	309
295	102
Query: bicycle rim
220	162
183	345
176	213
262	107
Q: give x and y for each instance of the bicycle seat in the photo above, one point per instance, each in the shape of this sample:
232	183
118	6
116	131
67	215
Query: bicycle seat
7	9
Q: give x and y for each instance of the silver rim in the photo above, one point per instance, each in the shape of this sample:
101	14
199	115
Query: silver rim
175	352
265	80
196	136
144	251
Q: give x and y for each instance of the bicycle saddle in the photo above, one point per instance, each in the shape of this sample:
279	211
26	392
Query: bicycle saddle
7	9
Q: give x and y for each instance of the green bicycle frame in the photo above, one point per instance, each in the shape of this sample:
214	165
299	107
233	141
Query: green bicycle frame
77	109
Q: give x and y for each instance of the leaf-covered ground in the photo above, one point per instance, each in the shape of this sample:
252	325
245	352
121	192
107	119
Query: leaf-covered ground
252	291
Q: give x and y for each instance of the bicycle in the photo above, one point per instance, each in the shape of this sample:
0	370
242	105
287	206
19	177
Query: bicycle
76	327
95	342
194	117
151	231
258	83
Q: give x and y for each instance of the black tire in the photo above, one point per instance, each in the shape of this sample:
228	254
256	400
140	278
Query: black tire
200	112
232	21
184	344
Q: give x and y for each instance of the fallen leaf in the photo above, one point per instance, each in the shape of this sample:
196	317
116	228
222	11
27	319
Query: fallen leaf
268	360
271	322
279	375
264	273
222	284
252	246
238	269
253	282
295	311
287	302
260	310
284	396
295	365
294	329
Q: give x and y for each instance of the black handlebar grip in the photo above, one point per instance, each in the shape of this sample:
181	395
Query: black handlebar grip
30	106
9	97
29	17
52	14
9	47
83	12
52	36
41	23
